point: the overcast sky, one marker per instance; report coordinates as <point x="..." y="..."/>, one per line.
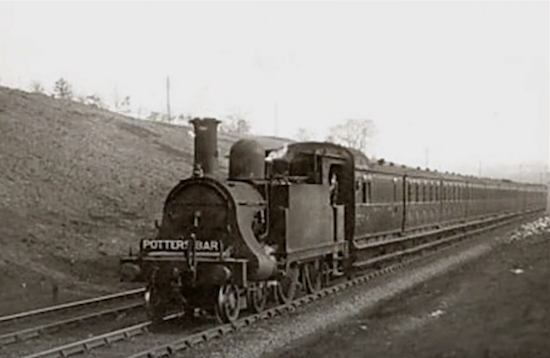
<point x="464" y="82"/>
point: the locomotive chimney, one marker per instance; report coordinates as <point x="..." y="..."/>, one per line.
<point x="206" y="145"/>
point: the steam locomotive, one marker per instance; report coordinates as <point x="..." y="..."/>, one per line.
<point x="297" y="217"/>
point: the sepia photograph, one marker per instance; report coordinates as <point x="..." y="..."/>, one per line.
<point x="275" y="179"/>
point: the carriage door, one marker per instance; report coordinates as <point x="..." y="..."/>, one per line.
<point x="337" y="190"/>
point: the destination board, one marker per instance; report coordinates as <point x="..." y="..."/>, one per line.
<point x="179" y="245"/>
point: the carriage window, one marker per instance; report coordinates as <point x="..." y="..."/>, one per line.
<point x="428" y="192"/>
<point x="358" y="190"/>
<point x="366" y="194"/>
<point x="369" y="191"/>
<point x="424" y="192"/>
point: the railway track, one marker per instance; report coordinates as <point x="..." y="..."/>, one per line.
<point x="122" y="342"/>
<point x="20" y="327"/>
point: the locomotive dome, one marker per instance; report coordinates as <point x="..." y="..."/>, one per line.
<point x="246" y="160"/>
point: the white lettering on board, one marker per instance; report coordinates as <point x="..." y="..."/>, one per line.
<point x="178" y="245"/>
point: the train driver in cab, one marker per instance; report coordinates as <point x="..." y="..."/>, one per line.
<point x="333" y="188"/>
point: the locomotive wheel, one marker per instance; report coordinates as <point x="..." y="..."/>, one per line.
<point x="154" y="305"/>
<point x="313" y="276"/>
<point x="258" y="297"/>
<point x="227" y="305"/>
<point x="286" y="289"/>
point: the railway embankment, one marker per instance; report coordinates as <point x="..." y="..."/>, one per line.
<point x="78" y="186"/>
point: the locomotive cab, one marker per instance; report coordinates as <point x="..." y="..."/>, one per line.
<point x="311" y="180"/>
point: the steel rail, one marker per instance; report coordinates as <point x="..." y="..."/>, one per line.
<point x="167" y="350"/>
<point x="98" y="341"/>
<point x="67" y="306"/>
<point x="33" y="332"/>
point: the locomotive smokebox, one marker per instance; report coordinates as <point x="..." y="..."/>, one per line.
<point x="246" y="160"/>
<point x="206" y="145"/>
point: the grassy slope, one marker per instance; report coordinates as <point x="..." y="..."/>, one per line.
<point x="79" y="185"/>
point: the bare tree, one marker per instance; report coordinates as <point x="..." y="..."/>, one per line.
<point x="124" y="106"/>
<point x="63" y="89"/>
<point x="36" y="87"/>
<point x="235" y="124"/>
<point x="303" y="135"/>
<point x="353" y="133"/>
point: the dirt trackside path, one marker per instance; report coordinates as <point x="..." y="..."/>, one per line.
<point x="497" y="306"/>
